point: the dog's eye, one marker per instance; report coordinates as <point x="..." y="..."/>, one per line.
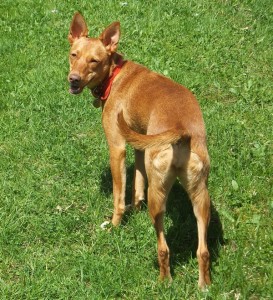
<point x="73" y="54"/>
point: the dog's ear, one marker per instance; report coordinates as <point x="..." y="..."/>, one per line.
<point x="78" y="28"/>
<point x="110" y="36"/>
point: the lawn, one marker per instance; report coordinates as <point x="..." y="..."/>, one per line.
<point x="55" y="181"/>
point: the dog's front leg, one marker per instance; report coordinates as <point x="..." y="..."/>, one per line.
<point x="117" y="146"/>
<point x="118" y="169"/>
<point x="139" y="180"/>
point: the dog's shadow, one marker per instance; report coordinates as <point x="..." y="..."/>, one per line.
<point x="181" y="236"/>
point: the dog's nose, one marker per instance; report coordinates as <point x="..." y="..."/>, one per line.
<point x="74" y="78"/>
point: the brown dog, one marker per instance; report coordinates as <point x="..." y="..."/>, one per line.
<point x="159" y="118"/>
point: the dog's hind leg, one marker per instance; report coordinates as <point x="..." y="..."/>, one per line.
<point x="194" y="179"/>
<point x="201" y="208"/>
<point x="139" y="180"/>
<point x="160" y="180"/>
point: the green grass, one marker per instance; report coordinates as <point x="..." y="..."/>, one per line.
<point x="55" y="183"/>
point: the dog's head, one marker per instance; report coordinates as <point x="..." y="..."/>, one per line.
<point x="90" y="58"/>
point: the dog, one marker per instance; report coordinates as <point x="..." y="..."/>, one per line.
<point x="161" y="119"/>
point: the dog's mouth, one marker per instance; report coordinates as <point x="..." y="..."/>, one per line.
<point x="75" y="89"/>
<point x="77" y="84"/>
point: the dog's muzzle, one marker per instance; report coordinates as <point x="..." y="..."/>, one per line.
<point x="74" y="81"/>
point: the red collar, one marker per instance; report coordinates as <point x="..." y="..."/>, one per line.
<point x="102" y="91"/>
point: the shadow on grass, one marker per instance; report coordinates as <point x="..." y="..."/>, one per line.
<point x="182" y="236"/>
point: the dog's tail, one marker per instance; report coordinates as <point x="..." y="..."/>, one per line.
<point x="142" y="141"/>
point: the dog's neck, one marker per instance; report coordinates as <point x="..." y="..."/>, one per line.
<point x="102" y="91"/>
